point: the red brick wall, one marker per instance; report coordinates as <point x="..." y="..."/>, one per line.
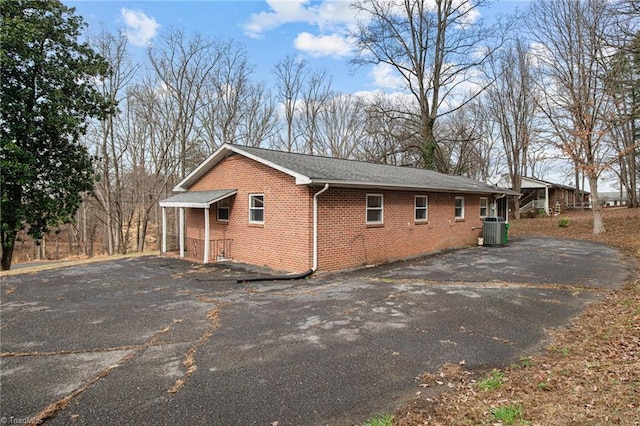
<point x="345" y="240"/>
<point x="285" y="240"/>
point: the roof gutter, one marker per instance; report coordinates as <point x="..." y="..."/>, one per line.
<point x="315" y="227"/>
<point x="395" y="187"/>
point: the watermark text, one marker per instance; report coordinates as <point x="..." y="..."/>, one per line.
<point x="19" y="420"/>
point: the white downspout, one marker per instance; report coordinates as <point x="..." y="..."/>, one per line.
<point x="315" y="227"/>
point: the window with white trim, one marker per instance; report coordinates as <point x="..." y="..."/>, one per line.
<point x="374" y="208"/>
<point x="459" y="207"/>
<point x="256" y="208"/>
<point x="484" y="207"/>
<point x="421" y="208"/>
<point x="223" y="210"/>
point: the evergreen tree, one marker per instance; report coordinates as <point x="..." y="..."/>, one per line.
<point x="47" y="95"/>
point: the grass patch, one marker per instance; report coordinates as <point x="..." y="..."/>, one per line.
<point x="544" y="386"/>
<point x="379" y="420"/>
<point x="508" y="414"/>
<point x="492" y="382"/>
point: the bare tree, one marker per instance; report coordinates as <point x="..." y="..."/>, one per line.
<point x="490" y="148"/>
<point x="435" y="46"/>
<point x="154" y="158"/>
<point x="512" y="100"/>
<point x="460" y="149"/>
<point x="387" y="132"/>
<point x="109" y="190"/>
<point x="290" y="74"/>
<point x="224" y="92"/>
<point x="316" y="90"/>
<point x="622" y="82"/>
<point x="570" y="34"/>
<point x="183" y="67"/>
<point x="623" y="85"/>
<point x="260" y="124"/>
<point x="341" y="126"/>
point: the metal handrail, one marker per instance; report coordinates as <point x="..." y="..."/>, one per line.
<point x="220" y="249"/>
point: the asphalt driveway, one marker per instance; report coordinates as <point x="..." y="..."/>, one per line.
<point x="156" y="340"/>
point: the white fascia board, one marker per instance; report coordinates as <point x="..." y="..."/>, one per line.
<point x="195" y="205"/>
<point x="300" y="178"/>
<point x="185" y="205"/>
<point x="202" y="168"/>
<point x="377" y="185"/>
<point x="533" y="183"/>
<point x="220" y="154"/>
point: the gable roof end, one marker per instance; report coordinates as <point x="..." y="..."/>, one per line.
<point x="223" y="152"/>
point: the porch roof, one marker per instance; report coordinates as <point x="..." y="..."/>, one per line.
<point x="197" y="199"/>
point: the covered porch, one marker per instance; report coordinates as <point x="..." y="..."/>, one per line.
<point x="202" y="247"/>
<point x="542" y="197"/>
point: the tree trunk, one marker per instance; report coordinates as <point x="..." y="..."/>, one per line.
<point x="8" y="242"/>
<point x="144" y="224"/>
<point x="428" y="148"/>
<point x="7" y="254"/>
<point x="598" y="224"/>
<point x="632" y="188"/>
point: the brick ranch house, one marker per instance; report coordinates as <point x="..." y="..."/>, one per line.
<point x="547" y="197"/>
<point x="296" y="212"/>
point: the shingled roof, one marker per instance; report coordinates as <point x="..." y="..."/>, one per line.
<point x="317" y="170"/>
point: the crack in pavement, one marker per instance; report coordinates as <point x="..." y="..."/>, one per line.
<point x="60" y="404"/>
<point x="190" y="356"/>
<point x="486" y="284"/>
<point x="310" y="292"/>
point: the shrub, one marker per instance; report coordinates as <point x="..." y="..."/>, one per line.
<point x="563" y="222"/>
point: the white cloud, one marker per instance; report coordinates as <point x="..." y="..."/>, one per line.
<point x="386" y="76"/>
<point x="140" y="28"/>
<point x="327" y="15"/>
<point x="323" y="45"/>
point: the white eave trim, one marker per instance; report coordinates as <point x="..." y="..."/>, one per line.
<point x="300" y="179"/>
<point x="195" y="205"/>
<point x="378" y="185"/>
<point x="222" y="153"/>
<point x="186" y="205"/>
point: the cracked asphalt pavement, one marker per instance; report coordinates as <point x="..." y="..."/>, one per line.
<point x="158" y="340"/>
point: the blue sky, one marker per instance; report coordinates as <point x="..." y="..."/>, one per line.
<point x="311" y="29"/>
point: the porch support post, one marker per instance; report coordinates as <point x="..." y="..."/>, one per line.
<point x="181" y="225"/>
<point x="164" y="230"/>
<point x="546" y="200"/>
<point x="206" y="235"/>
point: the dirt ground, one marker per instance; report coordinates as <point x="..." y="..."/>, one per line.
<point x="588" y="374"/>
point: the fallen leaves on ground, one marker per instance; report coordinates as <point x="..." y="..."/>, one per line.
<point x="588" y="374"/>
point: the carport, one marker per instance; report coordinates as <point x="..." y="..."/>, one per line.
<point x="193" y="200"/>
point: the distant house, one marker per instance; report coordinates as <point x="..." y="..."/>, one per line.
<point x="613" y="199"/>
<point x="296" y="212"/>
<point x="546" y="197"/>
